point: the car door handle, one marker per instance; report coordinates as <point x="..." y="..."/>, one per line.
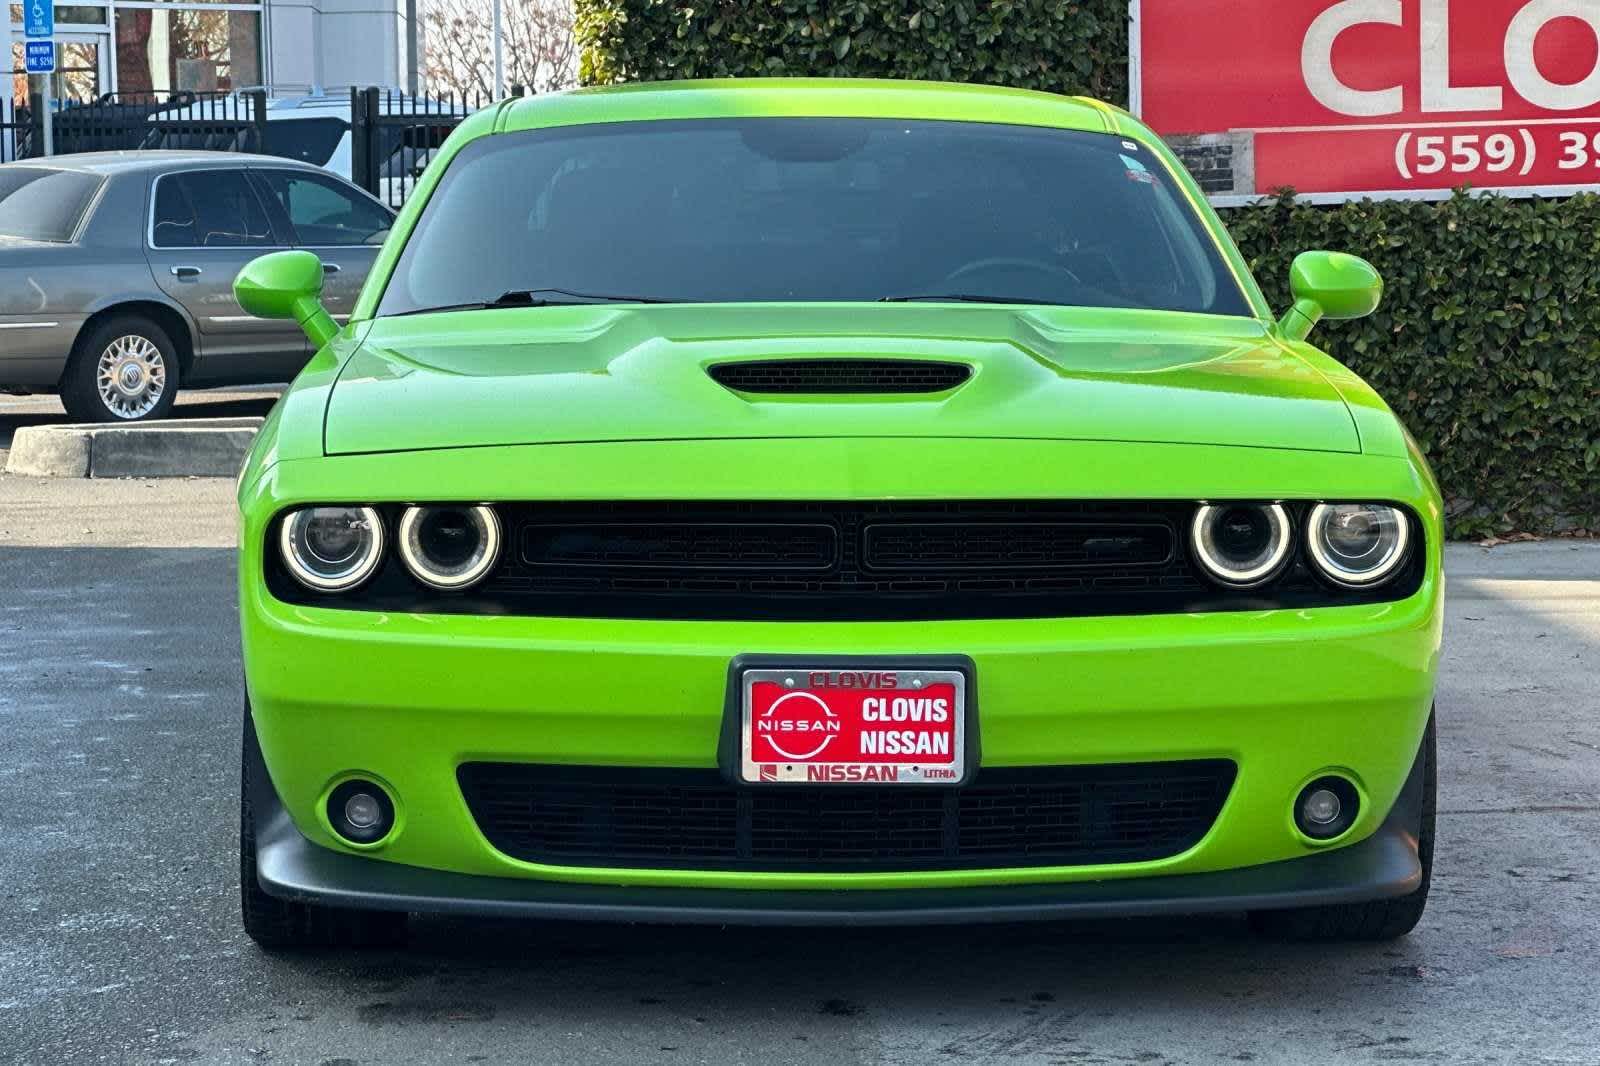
<point x="185" y="272"/>
<point x="331" y="268"/>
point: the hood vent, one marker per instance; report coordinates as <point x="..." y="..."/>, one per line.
<point x="849" y="376"/>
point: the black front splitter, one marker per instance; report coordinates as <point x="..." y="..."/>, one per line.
<point x="290" y="866"/>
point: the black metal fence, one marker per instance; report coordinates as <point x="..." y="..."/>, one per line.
<point x="13" y="121"/>
<point x="123" y="121"/>
<point x="392" y="135"/>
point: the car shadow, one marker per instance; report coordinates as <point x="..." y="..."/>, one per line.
<point x="1028" y="968"/>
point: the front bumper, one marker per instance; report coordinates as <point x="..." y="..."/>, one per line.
<point x="406" y="699"/>
<point x="1384" y="865"/>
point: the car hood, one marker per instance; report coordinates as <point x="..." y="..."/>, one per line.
<point x="605" y="373"/>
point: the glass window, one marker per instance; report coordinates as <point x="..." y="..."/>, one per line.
<point x="44" y="205"/>
<point x="209" y="209"/>
<point x="324" y="212"/>
<point x="203" y="51"/>
<point x="813" y="209"/>
<point x="310" y="140"/>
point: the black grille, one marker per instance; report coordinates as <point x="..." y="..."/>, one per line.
<point x="840" y="560"/>
<point x="824" y="376"/>
<point x="831" y="561"/>
<point x="694" y="819"/>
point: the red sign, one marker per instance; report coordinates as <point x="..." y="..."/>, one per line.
<point x="827" y="726"/>
<point x="1340" y="97"/>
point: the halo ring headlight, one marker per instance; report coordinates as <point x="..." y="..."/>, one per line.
<point x="1357" y="545"/>
<point x="1242" y="545"/>
<point x="331" y="549"/>
<point x="449" y="547"/>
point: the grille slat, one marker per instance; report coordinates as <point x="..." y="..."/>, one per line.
<point x="1069" y="815"/>
<point x="821" y="377"/>
<point x="686" y="545"/>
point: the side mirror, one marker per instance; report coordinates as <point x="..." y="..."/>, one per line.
<point x="1329" y="285"/>
<point x="287" y="285"/>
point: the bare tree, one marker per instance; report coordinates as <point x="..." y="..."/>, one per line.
<point x="457" y="54"/>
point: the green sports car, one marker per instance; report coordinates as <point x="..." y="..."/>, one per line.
<point x="829" y="502"/>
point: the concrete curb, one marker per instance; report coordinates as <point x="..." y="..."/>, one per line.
<point x="198" y="447"/>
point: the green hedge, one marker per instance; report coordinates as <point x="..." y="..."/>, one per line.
<point x="1056" y="45"/>
<point x="1488" y="344"/>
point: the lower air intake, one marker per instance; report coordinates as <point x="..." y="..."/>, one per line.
<point x="695" y="819"/>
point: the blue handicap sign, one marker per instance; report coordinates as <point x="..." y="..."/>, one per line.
<point x="39" y="19"/>
<point x="41" y="57"/>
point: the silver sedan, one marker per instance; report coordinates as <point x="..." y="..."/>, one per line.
<point x="116" y="272"/>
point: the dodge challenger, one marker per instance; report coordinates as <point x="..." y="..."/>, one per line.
<point x="829" y="502"/>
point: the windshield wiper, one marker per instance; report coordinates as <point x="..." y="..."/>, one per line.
<point x="540" y="298"/>
<point x="965" y="298"/>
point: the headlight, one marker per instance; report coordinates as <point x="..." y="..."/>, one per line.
<point x="332" y="549"/>
<point x="1357" y="544"/>
<point x="1241" y="544"/>
<point x="449" y="547"/>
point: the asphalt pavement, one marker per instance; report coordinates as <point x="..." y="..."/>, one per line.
<point x="119" y="941"/>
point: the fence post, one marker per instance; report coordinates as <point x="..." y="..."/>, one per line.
<point x="35" y="126"/>
<point x="258" y="118"/>
<point x="364" y="113"/>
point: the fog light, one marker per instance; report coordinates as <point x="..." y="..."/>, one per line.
<point x="1321" y="807"/>
<point x="361" y="812"/>
<point x="1327" y="808"/>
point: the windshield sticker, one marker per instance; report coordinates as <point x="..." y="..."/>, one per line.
<point x="1137" y="171"/>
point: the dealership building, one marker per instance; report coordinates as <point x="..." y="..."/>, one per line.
<point x="288" y="45"/>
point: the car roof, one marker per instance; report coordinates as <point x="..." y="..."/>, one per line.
<point x="146" y="160"/>
<point x="812" y="97"/>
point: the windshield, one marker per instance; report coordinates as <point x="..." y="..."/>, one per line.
<point x="785" y="209"/>
<point x="44" y="205"/>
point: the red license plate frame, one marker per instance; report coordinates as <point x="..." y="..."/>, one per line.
<point x="852" y="722"/>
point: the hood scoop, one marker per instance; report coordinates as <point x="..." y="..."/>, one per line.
<point x="815" y="377"/>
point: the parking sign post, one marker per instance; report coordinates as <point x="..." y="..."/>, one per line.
<point x="39" y="27"/>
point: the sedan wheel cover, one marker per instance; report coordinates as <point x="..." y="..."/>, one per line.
<point x="131" y="377"/>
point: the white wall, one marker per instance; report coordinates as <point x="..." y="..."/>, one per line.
<point x="335" y="43"/>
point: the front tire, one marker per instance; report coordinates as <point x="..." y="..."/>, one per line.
<point x="1382" y="919"/>
<point x="125" y="369"/>
<point x="278" y="924"/>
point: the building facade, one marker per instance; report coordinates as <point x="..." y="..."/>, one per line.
<point x="290" y="46"/>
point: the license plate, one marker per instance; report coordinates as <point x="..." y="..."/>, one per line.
<point x="821" y="726"/>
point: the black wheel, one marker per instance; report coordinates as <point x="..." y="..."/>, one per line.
<point x="123" y="370"/>
<point x="279" y="923"/>
<point x="1383" y="919"/>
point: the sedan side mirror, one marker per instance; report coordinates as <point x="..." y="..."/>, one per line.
<point x="287" y="285"/>
<point x="1329" y="285"/>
